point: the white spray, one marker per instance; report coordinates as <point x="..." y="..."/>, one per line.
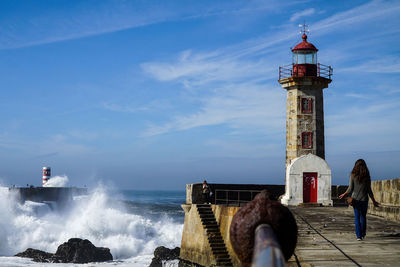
<point x="57" y="181"/>
<point x="96" y="217"/>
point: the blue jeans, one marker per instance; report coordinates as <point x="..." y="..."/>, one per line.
<point x="360" y="217"/>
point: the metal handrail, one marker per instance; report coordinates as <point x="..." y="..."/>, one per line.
<point x="238" y="201"/>
<point x="323" y="71"/>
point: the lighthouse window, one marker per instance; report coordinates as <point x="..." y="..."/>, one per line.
<point x="309" y="58"/>
<point x="305" y="58"/>
<point x="306" y="140"/>
<point x="306" y="105"/>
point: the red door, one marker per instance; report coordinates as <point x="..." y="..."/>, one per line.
<point x="310" y="187"/>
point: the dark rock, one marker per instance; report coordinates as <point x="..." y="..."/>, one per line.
<point x="77" y="250"/>
<point x="36" y="255"/>
<point x="164" y="254"/>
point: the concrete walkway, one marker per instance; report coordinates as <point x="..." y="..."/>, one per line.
<point x="327" y="238"/>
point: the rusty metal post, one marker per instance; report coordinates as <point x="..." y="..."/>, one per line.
<point x="255" y="244"/>
<point x="267" y="252"/>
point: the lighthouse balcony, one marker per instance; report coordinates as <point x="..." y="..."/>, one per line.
<point x="305" y="70"/>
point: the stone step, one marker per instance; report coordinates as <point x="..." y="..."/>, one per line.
<point x="207" y="215"/>
<point x="216" y="242"/>
<point x="223" y="258"/>
<point x="202" y="215"/>
<point x="214" y="237"/>
<point x="218" y="245"/>
<point x="222" y="254"/>
<point x="218" y="248"/>
<point x="220" y="251"/>
<point x="210" y="225"/>
<point x="209" y="219"/>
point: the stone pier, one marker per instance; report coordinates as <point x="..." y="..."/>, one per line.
<point x="327" y="238"/>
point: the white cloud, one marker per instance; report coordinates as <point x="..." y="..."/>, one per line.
<point x="307" y="12"/>
<point x="253" y="107"/>
<point x="197" y="69"/>
<point x="366" y="12"/>
<point x="388" y="64"/>
<point x="83" y="20"/>
<point x="237" y="77"/>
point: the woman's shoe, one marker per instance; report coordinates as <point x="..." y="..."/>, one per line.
<point x="359" y="239"/>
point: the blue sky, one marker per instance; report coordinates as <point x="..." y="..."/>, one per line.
<point x="158" y="94"/>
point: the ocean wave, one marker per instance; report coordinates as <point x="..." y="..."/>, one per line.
<point x="131" y="235"/>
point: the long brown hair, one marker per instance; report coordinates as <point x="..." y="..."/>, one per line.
<point x="360" y="171"/>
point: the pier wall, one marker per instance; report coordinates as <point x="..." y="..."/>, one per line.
<point x="194" y="191"/>
<point x="387" y="193"/>
<point x="196" y="249"/>
<point x="194" y="246"/>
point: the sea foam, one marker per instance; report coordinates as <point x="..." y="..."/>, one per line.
<point x="131" y="238"/>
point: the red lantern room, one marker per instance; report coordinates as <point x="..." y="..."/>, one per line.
<point x="304" y="59"/>
<point x="304" y="62"/>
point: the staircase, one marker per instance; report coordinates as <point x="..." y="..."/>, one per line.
<point x="214" y="237"/>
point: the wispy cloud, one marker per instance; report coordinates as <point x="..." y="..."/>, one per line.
<point x="366" y="12"/>
<point x="198" y="69"/>
<point x="54" y="145"/>
<point x="238" y="107"/>
<point x="249" y="63"/>
<point x="55" y="24"/>
<point x="307" y="12"/>
<point x="388" y="64"/>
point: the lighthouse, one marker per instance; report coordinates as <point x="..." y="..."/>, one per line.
<point x="308" y="175"/>
<point x="46" y="175"/>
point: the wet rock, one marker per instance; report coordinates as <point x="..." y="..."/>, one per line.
<point x="36" y="255"/>
<point x="164" y="254"/>
<point x="76" y="250"/>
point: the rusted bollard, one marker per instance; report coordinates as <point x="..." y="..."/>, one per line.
<point x="262" y="210"/>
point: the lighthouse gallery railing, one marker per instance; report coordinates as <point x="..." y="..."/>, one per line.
<point x="323" y="71"/>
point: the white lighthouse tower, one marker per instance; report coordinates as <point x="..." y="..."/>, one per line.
<point x="308" y="176"/>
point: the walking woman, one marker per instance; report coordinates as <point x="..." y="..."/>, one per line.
<point x="360" y="187"/>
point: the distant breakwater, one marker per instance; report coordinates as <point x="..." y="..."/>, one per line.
<point x="46" y="194"/>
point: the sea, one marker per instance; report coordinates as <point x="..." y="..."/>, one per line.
<point x="131" y="223"/>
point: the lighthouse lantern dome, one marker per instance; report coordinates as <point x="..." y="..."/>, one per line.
<point x="304" y="59"/>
